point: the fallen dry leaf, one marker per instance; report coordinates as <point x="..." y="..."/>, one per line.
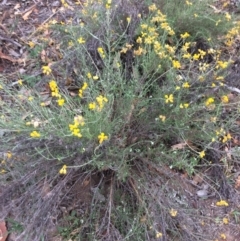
<point x="179" y="146"/>
<point x="17" y="6"/>
<point x="3" y="231"/>
<point x="85" y="182"/>
<point x="27" y="13"/>
<point x="197" y="179"/>
<point x="237" y="182"/>
<point x="4" y="56"/>
<point x="45" y="190"/>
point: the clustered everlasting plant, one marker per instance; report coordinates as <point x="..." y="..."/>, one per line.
<point x="171" y="92"/>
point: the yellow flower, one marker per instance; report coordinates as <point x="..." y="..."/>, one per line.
<point x="9" y="154"/>
<point x="187" y="56"/>
<point x="219" y="78"/>
<point x="173" y="212"/>
<point x="202" y="53"/>
<point x="218" y="22"/>
<point x="202" y="154"/>
<point x="188" y="3"/>
<point x="152" y="7"/>
<point x="171" y="50"/>
<point x="76" y="132"/>
<point x="100" y="100"/>
<point x="226" y="138"/>
<point x="222" y="64"/>
<point x="80" y="93"/>
<point x="186" y="46"/>
<point x="102" y="137"/>
<point x="225" y="220"/>
<point x="108" y="4"/>
<point x="63" y="170"/>
<point x="60" y="102"/>
<point x="101" y="52"/>
<point x="176" y="64"/>
<point x="144" y="26"/>
<point x="70" y="44"/>
<point x="53" y="85"/>
<point x="128" y="19"/>
<point x="55" y="93"/>
<point x="169" y="98"/>
<point x="3" y="171"/>
<point x="224" y="99"/>
<point x="89" y="75"/>
<point x="222" y="203"/>
<point x="46" y="70"/>
<point x="138" y="52"/>
<point x="177" y="88"/>
<point x="186" y="85"/>
<point x="201" y="78"/>
<point x="35" y="134"/>
<point x="31" y="44"/>
<point x="79" y="120"/>
<point x="162" y="118"/>
<point x="209" y="101"/>
<point x="81" y="40"/>
<point x="223" y="236"/>
<point x="85" y="85"/>
<point x="92" y="105"/>
<point x="185" y="105"/>
<point x="185" y="35"/>
<point x="30" y="98"/>
<point x="196" y="56"/>
<point x="20" y="82"/>
<point x="95" y="77"/>
<point x="139" y="40"/>
<point x="228" y="16"/>
<point x="158" y="235"/>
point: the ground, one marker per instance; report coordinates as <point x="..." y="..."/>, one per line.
<point x="20" y="24"/>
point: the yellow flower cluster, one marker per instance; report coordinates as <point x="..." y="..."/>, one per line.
<point x="108" y="4"/>
<point x="55" y="92"/>
<point x="35" y="134"/>
<point x="176" y="64"/>
<point x="169" y="98"/>
<point x="185" y="35"/>
<point x="84" y="87"/>
<point x="46" y="70"/>
<point x="99" y="104"/>
<point x="101" y="52"/>
<point x="202" y="154"/>
<point x="89" y="75"/>
<point x="126" y="48"/>
<point x="209" y="101"/>
<point x="102" y="137"/>
<point x="222" y="65"/>
<point x="74" y="128"/>
<point x="173" y="212"/>
<point x="222" y="135"/>
<point x="81" y="40"/>
<point x="185" y="105"/>
<point x="224" y="99"/>
<point x="63" y="170"/>
<point x="222" y="203"/>
<point x="162" y="118"/>
<point x="150" y="35"/>
<point x="232" y="34"/>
